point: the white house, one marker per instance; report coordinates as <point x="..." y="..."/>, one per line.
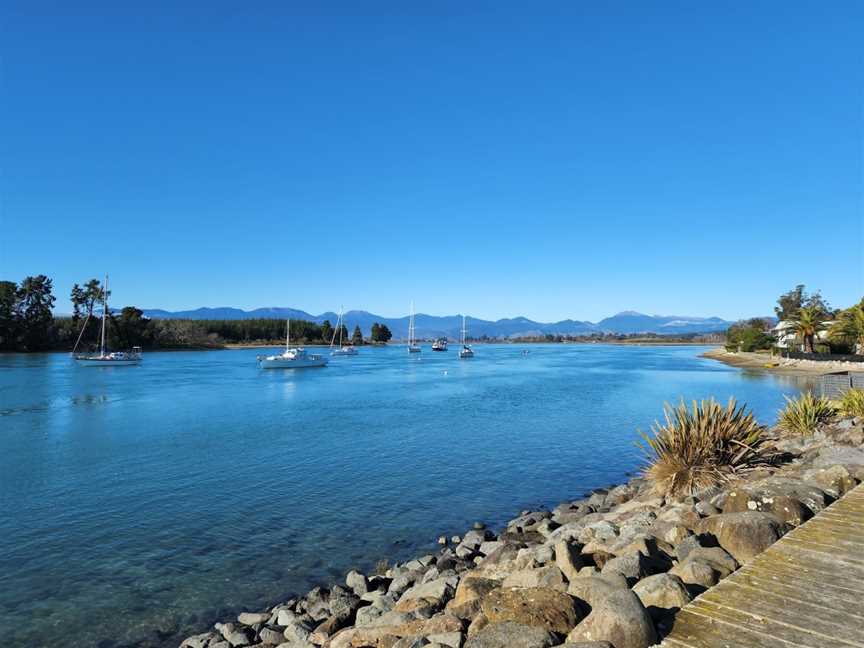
<point x="786" y="337"/>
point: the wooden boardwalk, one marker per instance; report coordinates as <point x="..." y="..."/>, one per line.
<point x="806" y="590"/>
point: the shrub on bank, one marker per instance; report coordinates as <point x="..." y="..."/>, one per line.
<point x="803" y="415"/>
<point x="702" y="446"/>
<point x="852" y="403"/>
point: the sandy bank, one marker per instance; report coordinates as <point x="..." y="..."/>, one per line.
<point x="779" y="365"/>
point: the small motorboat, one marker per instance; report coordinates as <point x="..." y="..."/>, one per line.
<point x="440" y="344"/>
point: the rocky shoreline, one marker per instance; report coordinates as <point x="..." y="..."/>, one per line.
<point x="611" y="569"/>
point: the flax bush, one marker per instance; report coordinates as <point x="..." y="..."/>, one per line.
<point x="803" y="415"/>
<point x="852" y="403"/>
<point x="702" y="446"/>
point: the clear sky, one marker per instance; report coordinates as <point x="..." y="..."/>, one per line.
<point x="552" y="159"/>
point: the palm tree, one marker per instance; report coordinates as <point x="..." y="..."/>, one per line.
<point x="850" y="326"/>
<point x="809" y="321"/>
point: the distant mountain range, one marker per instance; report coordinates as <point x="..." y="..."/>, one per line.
<point x="430" y="326"/>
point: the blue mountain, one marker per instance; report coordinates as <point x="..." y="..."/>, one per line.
<point x="430" y="326"/>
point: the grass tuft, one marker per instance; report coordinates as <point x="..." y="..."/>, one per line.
<point x="852" y="403"/>
<point x="803" y="415"/>
<point x="702" y="446"/>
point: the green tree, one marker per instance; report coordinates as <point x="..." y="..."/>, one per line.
<point x="327" y="331"/>
<point x="131" y="326"/>
<point x="357" y="336"/>
<point x="380" y="333"/>
<point x="807" y="325"/>
<point x="78" y="297"/>
<point x="849" y="327"/>
<point x="93" y="293"/>
<point x="33" y="311"/>
<point x="751" y="335"/>
<point x="8" y="319"/>
<point x="789" y="304"/>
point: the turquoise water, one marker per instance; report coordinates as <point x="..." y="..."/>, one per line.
<point x="140" y="504"/>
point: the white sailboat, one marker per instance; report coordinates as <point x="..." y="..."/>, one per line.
<point x="466" y="351"/>
<point x="292" y="358"/>
<point x="341" y="350"/>
<point x="105" y="358"/>
<point x="413" y="347"/>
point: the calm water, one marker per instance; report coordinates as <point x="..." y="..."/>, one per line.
<point x="138" y="504"/>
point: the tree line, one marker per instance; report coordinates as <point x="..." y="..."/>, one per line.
<point x="27" y="323"/>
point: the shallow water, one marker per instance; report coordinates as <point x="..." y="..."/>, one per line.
<point x="139" y="504"/>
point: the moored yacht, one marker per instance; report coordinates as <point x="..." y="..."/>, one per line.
<point x="413" y="347"/>
<point x="466" y="351"/>
<point x="105" y="358"/>
<point x="296" y="358"/>
<point x="340" y="350"/>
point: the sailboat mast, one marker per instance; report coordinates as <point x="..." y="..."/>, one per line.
<point x="411" y="326"/>
<point x="341" y="311"/>
<point x="104" y="314"/>
<point x="288" y="334"/>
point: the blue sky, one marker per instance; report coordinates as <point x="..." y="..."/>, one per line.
<point x="551" y="160"/>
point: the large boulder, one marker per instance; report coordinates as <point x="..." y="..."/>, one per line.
<point x="471" y="591"/>
<point x="744" y="535"/>
<point x="534" y="606"/>
<point x="632" y="566"/>
<point x="834" y="480"/>
<point x="789" y="500"/>
<point x="549" y="576"/>
<point x="617" y="615"/>
<point x="434" y="593"/>
<point x="568" y="559"/>
<point x="662" y="595"/>
<point x="508" y="634"/>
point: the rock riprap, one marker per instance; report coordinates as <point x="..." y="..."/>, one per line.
<point x="608" y="570"/>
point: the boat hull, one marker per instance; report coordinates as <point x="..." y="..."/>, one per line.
<point x="110" y="362"/>
<point x="414" y="349"/>
<point x="347" y="351"/>
<point x="279" y="363"/>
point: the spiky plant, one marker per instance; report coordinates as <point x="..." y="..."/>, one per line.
<point x="803" y="415"/>
<point x="702" y="446"/>
<point x="852" y="403"/>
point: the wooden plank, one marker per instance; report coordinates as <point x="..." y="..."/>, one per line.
<point x="805" y="591"/>
<point x="774" y="627"/>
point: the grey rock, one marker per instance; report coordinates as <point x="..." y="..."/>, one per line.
<point x="197" y="641"/>
<point x="271" y="637"/>
<point x="617" y="616"/>
<point x="357" y="582"/>
<point x="549" y="576"/>
<point x="568" y="559"/>
<point x="744" y="535"/>
<point x="632" y="566"/>
<point x="251" y="618"/>
<point x="662" y="595"/>
<point x="508" y="634"/>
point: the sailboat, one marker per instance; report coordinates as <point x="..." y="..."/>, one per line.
<point x="105" y="358"/>
<point x="413" y="347"/>
<point x="466" y="351"/>
<point x="341" y="350"/>
<point x="292" y="358"/>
